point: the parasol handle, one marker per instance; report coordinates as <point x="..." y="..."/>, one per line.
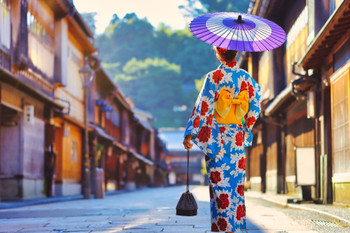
<point x="188" y="170"/>
<point x="239" y="19"/>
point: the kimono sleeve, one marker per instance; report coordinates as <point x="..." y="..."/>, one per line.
<point x="202" y="126"/>
<point x="254" y="99"/>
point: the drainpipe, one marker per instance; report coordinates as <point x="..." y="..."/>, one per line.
<point x="263" y="157"/>
<point x="303" y="78"/>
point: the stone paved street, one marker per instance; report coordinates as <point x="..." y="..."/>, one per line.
<point x="143" y="211"/>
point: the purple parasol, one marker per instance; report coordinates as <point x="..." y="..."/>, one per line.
<point x="237" y="31"/>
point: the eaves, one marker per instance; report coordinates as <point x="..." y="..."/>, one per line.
<point x="279" y="102"/>
<point x="336" y="26"/>
<point x="11" y="79"/>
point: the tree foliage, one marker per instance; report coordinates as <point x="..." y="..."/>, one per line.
<point x="194" y="9"/>
<point x="153" y="84"/>
<point x="90" y="20"/>
<point x="160" y="69"/>
<point x="145" y="61"/>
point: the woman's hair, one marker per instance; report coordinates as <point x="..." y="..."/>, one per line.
<point x="225" y="54"/>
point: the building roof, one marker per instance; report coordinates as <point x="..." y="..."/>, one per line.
<point x="144" y="118"/>
<point x="279" y="100"/>
<point x="336" y="26"/>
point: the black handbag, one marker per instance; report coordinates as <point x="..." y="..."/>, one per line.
<point x="187" y="205"/>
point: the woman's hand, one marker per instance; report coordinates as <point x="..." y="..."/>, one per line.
<point x="187" y="142"/>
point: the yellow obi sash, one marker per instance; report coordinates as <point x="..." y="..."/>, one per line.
<point x="231" y="111"/>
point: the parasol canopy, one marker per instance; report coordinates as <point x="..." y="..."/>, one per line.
<point x="238" y="31"/>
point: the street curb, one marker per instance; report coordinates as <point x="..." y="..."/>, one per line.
<point x="332" y="216"/>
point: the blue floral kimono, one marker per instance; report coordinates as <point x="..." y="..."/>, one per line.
<point x="223" y="144"/>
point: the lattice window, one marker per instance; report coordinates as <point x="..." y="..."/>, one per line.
<point x="5" y="24"/>
<point x="39" y="30"/>
<point x="296" y="42"/>
<point x="74" y="151"/>
<point x="340" y="123"/>
<point x="74" y="63"/>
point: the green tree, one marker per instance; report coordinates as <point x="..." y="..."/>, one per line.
<point x="131" y="43"/>
<point x="182" y="48"/>
<point x="193" y="10"/>
<point x="154" y="85"/>
<point x="90" y="20"/>
<point x="125" y="39"/>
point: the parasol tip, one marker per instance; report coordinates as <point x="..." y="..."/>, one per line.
<point x="239" y="19"/>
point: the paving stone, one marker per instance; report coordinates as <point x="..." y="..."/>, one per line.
<point x="80" y="231"/>
<point x="139" y="231"/>
<point x="154" y="212"/>
<point x="106" y="230"/>
<point x="178" y="229"/>
<point x="8" y="230"/>
<point x="34" y="230"/>
<point x="16" y="226"/>
<point x="65" y="225"/>
<point x="141" y="226"/>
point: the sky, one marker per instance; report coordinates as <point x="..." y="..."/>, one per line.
<point x="156" y="11"/>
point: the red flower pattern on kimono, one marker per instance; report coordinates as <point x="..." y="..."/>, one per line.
<point x="223" y="201"/>
<point x="222" y="224"/>
<point x="243" y="86"/>
<point x="217" y="76"/>
<point x="239" y="138"/>
<point x="196" y="122"/>
<point x="211" y="192"/>
<point x="194" y="109"/>
<point x="240" y="189"/>
<point x="210" y="119"/>
<point x="241" y="163"/>
<point x="215" y="177"/>
<point x="204" y="108"/>
<point x="251" y="91"/>
<point x="222" y="129"/>
<point x="214" y="227"/>
<point x="204" y="134"/>
<point x="250" y="121"/>
<point x="240" y="212"/>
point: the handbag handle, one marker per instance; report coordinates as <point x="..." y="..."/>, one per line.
<point x="188" y="170"/>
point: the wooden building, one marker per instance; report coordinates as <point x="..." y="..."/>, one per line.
<point x="328" y="56"/>
<point x="73" y="41"/>
<point x="176" y="158"/>
<point x="43" y="45"/>
<point x="27" y="60"/>
<point x="300" y="144"/>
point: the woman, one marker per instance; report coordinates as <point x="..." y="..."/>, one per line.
<point x="220" y="125"/>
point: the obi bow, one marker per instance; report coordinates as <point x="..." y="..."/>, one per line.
<point x="231" y="111"/>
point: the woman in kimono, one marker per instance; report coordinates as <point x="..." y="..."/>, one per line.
<point x="221" y="126"/>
